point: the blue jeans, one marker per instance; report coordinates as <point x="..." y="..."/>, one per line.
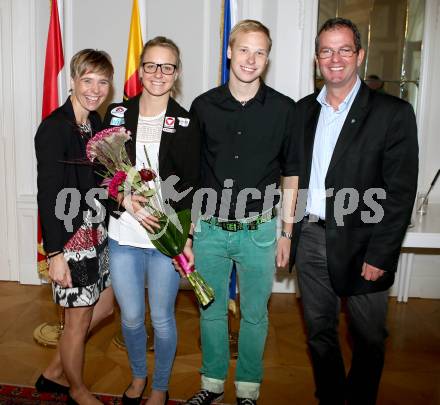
<point x="130" y="268"/>
<point x="253" y="251"/>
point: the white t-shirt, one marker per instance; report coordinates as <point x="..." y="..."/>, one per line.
<point x="126" y="229"/>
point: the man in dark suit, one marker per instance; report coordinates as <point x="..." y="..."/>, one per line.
<point x="360" y="166"/>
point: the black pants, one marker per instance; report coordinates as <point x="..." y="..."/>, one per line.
<point x="366" y="319"/>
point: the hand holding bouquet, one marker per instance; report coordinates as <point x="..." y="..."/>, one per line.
<point x="108" y="147"/>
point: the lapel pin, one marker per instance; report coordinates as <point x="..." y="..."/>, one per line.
<point x="118" y="111"/>
<point x="353" y="120"/>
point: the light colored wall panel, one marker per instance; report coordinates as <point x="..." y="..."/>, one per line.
<point x="26" y="100"/>
<point x="425" y="279"/>
<point x="8" y="225"/>
<point x="27" y="244"/>
<point x="211" y="45"/>
<point x="4" y="254"/>
<point x="293" y="30"/>
<point x="102" y="24"/>
<point x="41" y="20"/>
<point x="183" y="23"/>
<point x="25" y="107"/>
<point x="4" y="78"/>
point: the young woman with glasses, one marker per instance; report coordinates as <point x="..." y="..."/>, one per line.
<point x="170" y="136"/>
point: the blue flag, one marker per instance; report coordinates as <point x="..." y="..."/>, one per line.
<point x="226" y="32"/>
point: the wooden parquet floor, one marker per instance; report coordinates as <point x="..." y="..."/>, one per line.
<point x="411" y="375"/>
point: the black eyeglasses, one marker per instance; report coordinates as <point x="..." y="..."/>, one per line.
<point x="326" y="53"/>
<point x="165" y="68"/>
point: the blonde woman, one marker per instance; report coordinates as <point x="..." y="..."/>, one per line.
<point x="159" y="124"/>
<point x="77" y="251"/>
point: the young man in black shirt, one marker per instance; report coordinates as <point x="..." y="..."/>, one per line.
<point x="247" y="145"/>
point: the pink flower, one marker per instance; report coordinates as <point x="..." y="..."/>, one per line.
<point x="116" y="181"/>
<point x="106" y="182"/>
<point x="147" y="174"/>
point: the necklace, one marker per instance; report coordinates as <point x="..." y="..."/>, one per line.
<point x="85" y="127"/>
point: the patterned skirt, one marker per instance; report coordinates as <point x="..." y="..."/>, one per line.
<point x="86" y="254"/>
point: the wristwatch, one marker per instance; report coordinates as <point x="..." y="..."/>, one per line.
<point x="287" y="235"/>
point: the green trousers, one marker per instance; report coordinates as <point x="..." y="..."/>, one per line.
<point x="253" y="251"/>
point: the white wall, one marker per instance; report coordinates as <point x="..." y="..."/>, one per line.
<point x="7" y="205"/>
<point x="18" y="102"/>
<point x="195" y="26"/>
<point x="425" y="280"/>
<point x="192" y="24"/>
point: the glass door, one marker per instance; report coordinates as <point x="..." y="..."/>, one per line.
<point x="391" y="32"/>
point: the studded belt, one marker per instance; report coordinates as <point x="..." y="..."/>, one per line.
<point x="250" y="224"/>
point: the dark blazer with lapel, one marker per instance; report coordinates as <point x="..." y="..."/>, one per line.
<point x="377" y="148"/>
<point x="179" y="151"/>
<point x="62" y="163"/>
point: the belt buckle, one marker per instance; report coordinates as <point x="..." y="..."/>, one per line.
<point x="316" y="220"/>
<point x="252" y="226"/>
<point x="230" y="226"/>
<point x="313" y="218"/>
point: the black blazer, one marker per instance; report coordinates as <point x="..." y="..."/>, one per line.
<point x="377" y="148"/>
<point x="61" y="163"/>
<point x="179" y="150"/>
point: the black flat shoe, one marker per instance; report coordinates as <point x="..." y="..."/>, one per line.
<point x="133" y="401"/>
<point x="43" y="384"/>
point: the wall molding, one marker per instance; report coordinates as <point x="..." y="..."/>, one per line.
<point x="308" y="26"/>
<point x="437" y="15"/>
<point x="11" y="134"/>
<point x="5" y="131"/>
<point x="301" y="12"/>
<point x="27" y="244"/>
<point x="67" y="41"/>
<point x="25" y="68"/>
<point x="206" y="48"/>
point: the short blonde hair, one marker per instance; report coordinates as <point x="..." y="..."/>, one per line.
<point x="91" y="61"/>
<point x="249" y="26"/>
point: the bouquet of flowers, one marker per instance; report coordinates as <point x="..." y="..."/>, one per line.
<point x="108" y="147"/>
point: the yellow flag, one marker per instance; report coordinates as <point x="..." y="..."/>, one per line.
<point x="132" y="86"/>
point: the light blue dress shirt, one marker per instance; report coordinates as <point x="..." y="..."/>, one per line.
<point x="327" y="133"/>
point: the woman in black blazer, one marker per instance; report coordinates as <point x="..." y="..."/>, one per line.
<point x="74" y="233"/>
<point x="171" y="137"/>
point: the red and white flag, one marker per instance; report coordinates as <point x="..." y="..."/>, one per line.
<point x="53" y="81"/>
<point x="53" y="91"/>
